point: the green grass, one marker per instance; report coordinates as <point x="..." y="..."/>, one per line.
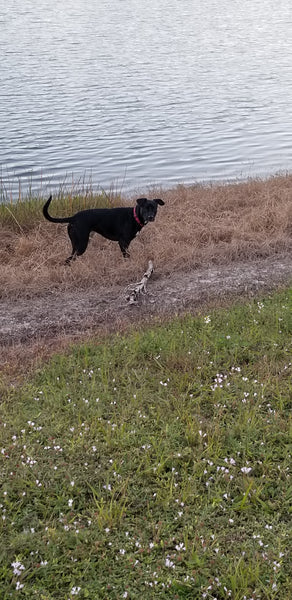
<point x="24" y="214"/>
<point x="156" y="465"/>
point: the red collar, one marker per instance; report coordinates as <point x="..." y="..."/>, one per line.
<point x="136" y="217"/>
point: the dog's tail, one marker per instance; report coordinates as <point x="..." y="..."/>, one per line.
<point x="53" y="219"/>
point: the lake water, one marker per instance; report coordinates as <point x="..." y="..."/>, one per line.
<point x="130" y="93"/>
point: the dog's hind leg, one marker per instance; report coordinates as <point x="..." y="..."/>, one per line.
<point x="74" y="242"/>
<point x="79" y="243"/>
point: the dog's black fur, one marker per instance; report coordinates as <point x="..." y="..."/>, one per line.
<point x="118" y="224"/>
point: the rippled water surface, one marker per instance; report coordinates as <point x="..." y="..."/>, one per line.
<point x="135" y="93"/>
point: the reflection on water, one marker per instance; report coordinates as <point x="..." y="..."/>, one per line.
<point x="133" y="94"/>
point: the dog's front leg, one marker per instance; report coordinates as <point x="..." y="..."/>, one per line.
<point x="124" y="249"/>
<point x="71" y="258"/>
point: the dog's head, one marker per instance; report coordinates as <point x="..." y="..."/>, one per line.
<point x="147" y="209"/>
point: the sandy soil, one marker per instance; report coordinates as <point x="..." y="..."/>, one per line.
<point x="32" y="326"/>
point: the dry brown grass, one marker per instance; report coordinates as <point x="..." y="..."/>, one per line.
<point x="199" y="225"/>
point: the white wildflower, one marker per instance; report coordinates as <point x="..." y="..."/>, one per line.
<point x="19" y="586"/>
<point x="169" y="564"/>
<point x="17" y="567"/>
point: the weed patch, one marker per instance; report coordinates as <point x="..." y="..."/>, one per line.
<point x="156" y="465"/>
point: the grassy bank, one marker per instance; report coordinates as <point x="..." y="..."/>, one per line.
<point x="25" y="214"/>
<point x="156" y="465"/>
<point x="198" y="226"/>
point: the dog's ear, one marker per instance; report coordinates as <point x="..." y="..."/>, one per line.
<point x="159" y="201"/>
<point x="141" y="201"/>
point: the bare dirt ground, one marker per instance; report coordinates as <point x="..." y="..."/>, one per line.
<point x="209" y="244"/>
<point x="28" y="326"/>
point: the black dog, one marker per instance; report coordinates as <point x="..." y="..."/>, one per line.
<point x="118" y="224"/>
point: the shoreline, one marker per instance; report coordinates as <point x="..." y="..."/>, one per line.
<point x="80" y="186"/>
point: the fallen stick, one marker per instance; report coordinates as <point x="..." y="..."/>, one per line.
<point x="140" y="287"/>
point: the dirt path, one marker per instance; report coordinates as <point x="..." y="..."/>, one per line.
<point x="25" y="322"/>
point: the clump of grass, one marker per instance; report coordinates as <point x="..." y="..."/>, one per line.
<point x="154" y="465"/>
